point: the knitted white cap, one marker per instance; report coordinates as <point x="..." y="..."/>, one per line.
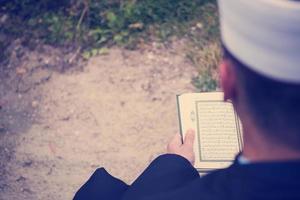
<point x="264" y="35"/>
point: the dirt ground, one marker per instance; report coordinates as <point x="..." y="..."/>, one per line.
<point x="117" y="111"/>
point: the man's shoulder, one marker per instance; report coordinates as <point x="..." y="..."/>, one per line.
<point x="257" y="181"/>
<point x="218" y="183"/>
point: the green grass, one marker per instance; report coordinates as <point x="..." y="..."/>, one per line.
<point x="94" y="23"/>
<point x="204" y="48"/>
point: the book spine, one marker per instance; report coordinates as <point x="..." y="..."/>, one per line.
<point x="179" y="117"/>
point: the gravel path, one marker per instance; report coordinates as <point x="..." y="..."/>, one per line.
<point x="118" y="112"/>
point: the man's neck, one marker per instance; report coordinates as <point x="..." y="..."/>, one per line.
<point x="259" y="148"/>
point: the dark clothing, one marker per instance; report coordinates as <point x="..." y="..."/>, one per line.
<point x="172" y="177"/>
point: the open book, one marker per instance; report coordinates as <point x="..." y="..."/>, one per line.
<point x="217" y="127"/>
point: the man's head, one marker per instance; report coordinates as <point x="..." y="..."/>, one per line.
<point x="272" y="105"/>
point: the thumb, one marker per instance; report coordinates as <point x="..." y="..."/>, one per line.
<point x="189" y="138"/>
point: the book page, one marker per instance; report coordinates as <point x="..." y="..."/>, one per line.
<point x="218" y="134"/>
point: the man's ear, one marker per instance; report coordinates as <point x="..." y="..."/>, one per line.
<point x="228" y="80"/>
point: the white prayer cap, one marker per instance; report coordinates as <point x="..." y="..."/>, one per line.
<point x="264" y="35"/>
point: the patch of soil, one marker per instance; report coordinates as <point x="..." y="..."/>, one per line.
<point x="118" y="112"/>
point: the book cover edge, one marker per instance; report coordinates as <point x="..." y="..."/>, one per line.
<point x="179" y="117"/>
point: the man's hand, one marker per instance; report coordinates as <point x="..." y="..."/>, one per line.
<point x="186" y="149"/>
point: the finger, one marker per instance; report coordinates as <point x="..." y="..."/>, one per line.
<point x="175" y="142"/>
<point x="189" y="138"/>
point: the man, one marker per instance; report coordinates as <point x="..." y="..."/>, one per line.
<point x="260" y="74"/>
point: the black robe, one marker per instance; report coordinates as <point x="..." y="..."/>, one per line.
<point x="172" y="177"/>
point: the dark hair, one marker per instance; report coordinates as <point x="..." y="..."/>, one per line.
<point x="274" y="105"/>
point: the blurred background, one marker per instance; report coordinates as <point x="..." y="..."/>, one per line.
<point x="93" y="83"/>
